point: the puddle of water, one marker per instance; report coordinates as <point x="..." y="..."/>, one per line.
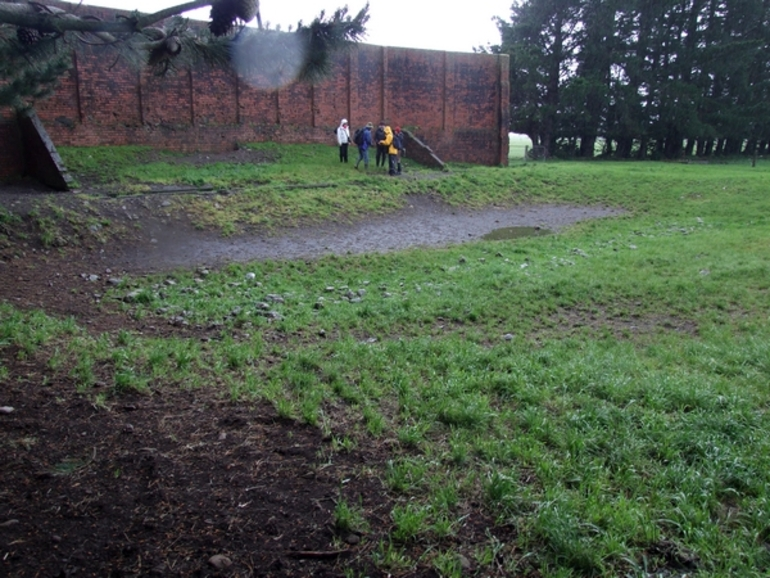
<point x="515" y="233"/>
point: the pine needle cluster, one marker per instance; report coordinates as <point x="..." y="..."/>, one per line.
<point x="30" y="71"/>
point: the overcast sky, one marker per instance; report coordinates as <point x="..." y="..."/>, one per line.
<point x="408" y="23"/>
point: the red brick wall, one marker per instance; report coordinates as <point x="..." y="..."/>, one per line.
<point x="456" y="103"/>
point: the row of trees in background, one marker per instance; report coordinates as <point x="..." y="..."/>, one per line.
<point x="646" y="78"/>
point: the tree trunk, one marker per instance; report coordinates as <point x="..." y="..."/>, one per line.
<point x="625" y="146"/>
<point x="641" y="154"/>
<point x="733" y="146"/>
<point x="673" y="143"/>
<point x="587" y="146"/>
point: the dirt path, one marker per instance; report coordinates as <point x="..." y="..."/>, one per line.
<point x="156" y="239"/>
<point x="423" y="222"/>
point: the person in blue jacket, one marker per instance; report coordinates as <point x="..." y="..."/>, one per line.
<point x="363" y="146"/>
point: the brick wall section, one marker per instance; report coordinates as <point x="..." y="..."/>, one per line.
<point x="456" y="103"/>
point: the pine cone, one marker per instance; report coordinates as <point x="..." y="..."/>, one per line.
<point x="222" y="17"/>
<point x="28" y="35"/>
<point x="246" y="10"/>
<point x="165" y="51"/>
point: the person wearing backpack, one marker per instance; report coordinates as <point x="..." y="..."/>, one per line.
<point x="398" y="144"/>
<point x="389" y="143"/>
<point x="382" y="150"/>
<point x="363" y="140"/>
<point x="343" y="138"/>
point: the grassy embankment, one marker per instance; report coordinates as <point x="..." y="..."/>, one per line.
<point x="603" y="390"/>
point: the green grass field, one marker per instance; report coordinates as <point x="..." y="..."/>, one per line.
<point x="603" y="390"/>
<point x="518" y="145"/>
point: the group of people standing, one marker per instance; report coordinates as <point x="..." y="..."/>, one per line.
<point x="389" y="145"/>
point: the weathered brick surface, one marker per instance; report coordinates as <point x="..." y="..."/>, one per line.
<point x="214" y="98"/>
<point x="456" y="103"/>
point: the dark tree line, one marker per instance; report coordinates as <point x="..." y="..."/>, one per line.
<point x="647" y="78"/>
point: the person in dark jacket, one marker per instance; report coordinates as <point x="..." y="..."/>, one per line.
<point x="398" y="144"/>
<point x="382" y="150"/>
<point x="363" y="148"/>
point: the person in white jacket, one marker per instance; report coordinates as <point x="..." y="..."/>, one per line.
<point x="343" y="139"/>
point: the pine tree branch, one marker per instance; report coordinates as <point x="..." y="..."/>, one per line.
<point x="55" y="19"/>
<point x="37" y="40"/>
<point x="148" y="19"/>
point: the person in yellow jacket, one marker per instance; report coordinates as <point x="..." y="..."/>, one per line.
<point x="392" y="150"/>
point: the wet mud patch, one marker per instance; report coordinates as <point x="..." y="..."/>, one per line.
<point x="423" y="222"/>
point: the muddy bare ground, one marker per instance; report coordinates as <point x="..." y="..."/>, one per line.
<point x="187" y="483"/>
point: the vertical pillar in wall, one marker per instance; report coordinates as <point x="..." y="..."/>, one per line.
<point x="444" y="92"/>
<point x="237" y="98"/>
<point x="448" y="101"/>
<point x="191" y="88"/>
<point x="277" y="93"/>
<point x="503" y="105"/>
<point x="76" y="81"/>
<point x="312" y="105"/>
<point x="383" y="86"/>
<point x="349" y="86"/>
<point x="139" y="95"/>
